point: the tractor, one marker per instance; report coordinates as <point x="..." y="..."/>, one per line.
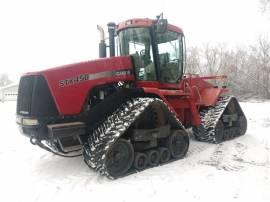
<point x="130" y="109"/>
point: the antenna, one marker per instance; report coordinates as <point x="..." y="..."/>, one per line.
<point x="160" y="16"/>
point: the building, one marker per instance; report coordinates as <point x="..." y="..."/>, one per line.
<point x="9" y="93"/>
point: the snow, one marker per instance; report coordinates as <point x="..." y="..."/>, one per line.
<point x="236" y="170"/>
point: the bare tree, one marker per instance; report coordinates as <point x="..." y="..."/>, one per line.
<point x="4" y="80"/>
<point x="247" y="69"/>
<point x="261" y="52"/>
<point x="210" y="57"/>
<point x="193" y="61"/>
<point x="265" y="5"/>
<point x="214" y="59"/>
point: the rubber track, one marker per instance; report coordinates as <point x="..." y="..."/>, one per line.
<point x="100" y="141"/>
<point x="209" y="117"/>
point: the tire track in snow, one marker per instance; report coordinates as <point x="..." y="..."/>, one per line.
<point x="265" y="151"/>
<point x="228" y="157"/>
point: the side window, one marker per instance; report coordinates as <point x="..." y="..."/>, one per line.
<point x="170" y="56"/>
<point x="136" y="42"/>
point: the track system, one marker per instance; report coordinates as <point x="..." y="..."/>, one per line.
<point x="223" y="121"/>
<point x="102" y="151"/>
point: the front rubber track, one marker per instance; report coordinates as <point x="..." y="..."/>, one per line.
<point x="114" y="127"/>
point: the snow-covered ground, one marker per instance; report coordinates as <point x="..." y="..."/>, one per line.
<point x="236" y="170"/>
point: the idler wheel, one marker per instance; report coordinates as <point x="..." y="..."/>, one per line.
<point x="178" y="143"/>
<point x="119" y="158"/>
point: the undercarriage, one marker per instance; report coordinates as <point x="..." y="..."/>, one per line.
<point x="130" y="141"/>
<point x="142" y="133"/>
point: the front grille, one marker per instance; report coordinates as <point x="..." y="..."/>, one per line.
<point x="34" y="97"/>
<point x="24" y="99"/>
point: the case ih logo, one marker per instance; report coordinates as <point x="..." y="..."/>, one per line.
<point x="87" y="77"/>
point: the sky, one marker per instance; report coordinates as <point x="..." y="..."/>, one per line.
<point x="36" y="34"/>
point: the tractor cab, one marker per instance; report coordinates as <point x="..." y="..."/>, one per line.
<point x="157" y="49"/>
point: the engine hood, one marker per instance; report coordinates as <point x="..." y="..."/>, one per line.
<point x="70" y="84"/>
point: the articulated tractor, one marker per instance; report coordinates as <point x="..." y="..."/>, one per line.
<point x="130" y="109"/>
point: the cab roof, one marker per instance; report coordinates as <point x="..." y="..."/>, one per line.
<point x="144" y="22"/>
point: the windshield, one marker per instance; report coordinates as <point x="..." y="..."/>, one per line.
<point x="137" y="43"/>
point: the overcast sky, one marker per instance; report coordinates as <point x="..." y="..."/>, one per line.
<point x="39" y="34"/>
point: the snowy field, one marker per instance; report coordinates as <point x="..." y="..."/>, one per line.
<point x="236" y="170"/>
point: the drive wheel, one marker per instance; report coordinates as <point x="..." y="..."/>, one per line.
<point x="164" y="154"/>
<point x="242" y="125"/>
<point x="140" y="161"/>
<point x="119" y="158"/>
<point x="219" y="132"/>
<point x="178" y="144"/>
<point x="153" y="157"/>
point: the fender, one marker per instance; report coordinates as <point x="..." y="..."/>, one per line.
<point x="209" y="96"/>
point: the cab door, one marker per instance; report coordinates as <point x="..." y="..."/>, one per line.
<point x="170" y="55"/>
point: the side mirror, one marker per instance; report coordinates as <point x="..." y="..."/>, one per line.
<point x="161" y="25"/>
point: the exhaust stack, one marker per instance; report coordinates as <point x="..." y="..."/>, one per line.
<point x="111" y="30"/>
<point x="102" y="44"/>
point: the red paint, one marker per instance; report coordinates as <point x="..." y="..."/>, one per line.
<point x="70" y="99"/>
<point x="185" y="98"/>
<point x="210" y="95"/>
<point x="145" y="22"/>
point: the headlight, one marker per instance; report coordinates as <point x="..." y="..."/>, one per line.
<point x="18" y="120"/>
<point x="30" y="122"/>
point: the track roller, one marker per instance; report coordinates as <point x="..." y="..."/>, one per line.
<point x="164" y="154"/>
<point x="152" y="157"/>
<point x="140" y="161"/>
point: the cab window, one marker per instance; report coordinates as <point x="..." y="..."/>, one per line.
<point x="137" y="43"/>
<point x="170" y="56"/>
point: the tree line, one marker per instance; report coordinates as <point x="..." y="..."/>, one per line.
<point x="248" y="69"/>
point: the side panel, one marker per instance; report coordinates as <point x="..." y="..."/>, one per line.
<point x="205" y="93"/>
<point x="210" y="96"/>
<point x="70" y="84"/>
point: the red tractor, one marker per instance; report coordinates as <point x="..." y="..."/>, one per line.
<point x="129" y="111"/>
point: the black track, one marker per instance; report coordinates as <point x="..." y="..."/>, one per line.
<point x="105" y="136"/>
<point x="210" y="116"/>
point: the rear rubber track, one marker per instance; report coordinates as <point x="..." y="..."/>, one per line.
<point x="209" y="119"/>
